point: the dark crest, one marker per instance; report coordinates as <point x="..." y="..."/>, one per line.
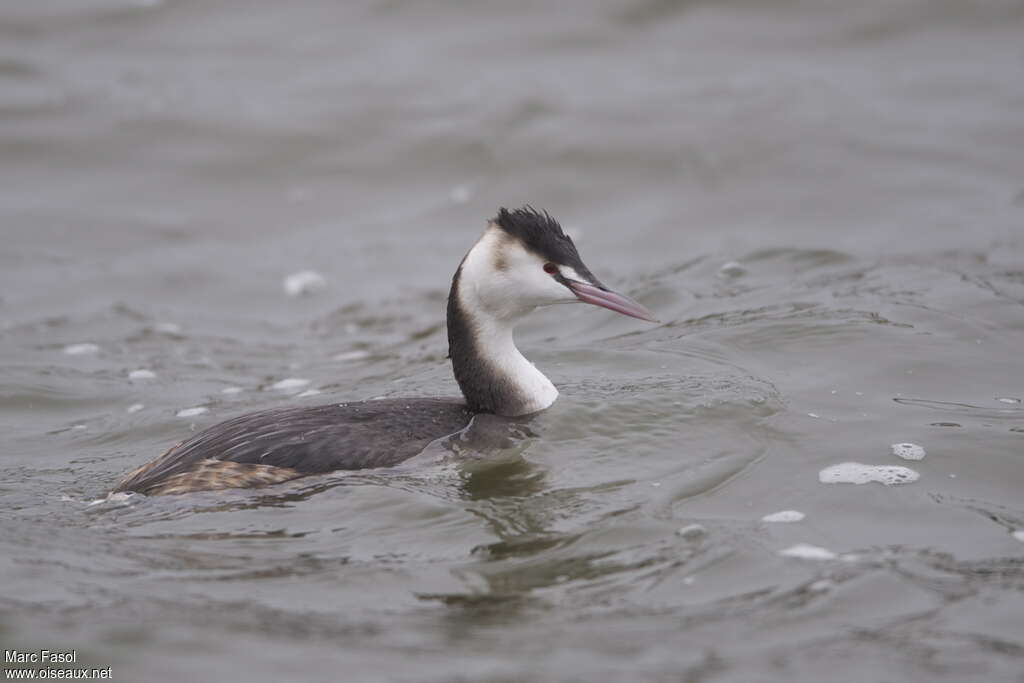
<point x="541" y="234"/>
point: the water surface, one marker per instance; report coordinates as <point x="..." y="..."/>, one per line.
<point x="824" y="203"/>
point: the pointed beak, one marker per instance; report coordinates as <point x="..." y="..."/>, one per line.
<point x="614" y="301"/>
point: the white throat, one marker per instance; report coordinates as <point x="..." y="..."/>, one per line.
<point x="494" y="340"/>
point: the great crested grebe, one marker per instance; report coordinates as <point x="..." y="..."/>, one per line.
<point x="522" y="261"/>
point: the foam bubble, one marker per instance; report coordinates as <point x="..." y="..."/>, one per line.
<point x="352" y="355"/>
<point x="231" y="390"/>
<point x="309" y="392"/>
<point x="192" y="412"/>
<point x="81" y="349"/>
<point x="304" y="282"/>
<point x="731" y="269"/>
<point x="1007" y="399"/>
<point x="908" y="451"/>
<point x="461" y="194"/>
<point x="784" y="516"/>
<point x="141" y="374"/>
<point x="135" y="407"/>
<point x="856" y="473"/>
<point x="806" y="551"/>
<point x="1019" y="535"/>
<point x="290" y="384"/>
<point x="119" y="498"/>
<point x="168" y="328"/>
<point x="692" y="531"/>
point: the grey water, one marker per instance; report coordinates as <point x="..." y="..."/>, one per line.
<point x="823" y="201"/>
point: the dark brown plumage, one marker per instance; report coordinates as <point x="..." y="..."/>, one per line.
<point x="272" y="446"/>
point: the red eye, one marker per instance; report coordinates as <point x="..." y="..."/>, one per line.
<point x="550" y="269"/>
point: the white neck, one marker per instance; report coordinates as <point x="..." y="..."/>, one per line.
<point x="493" y="374"/>
<point x="496" y="346"/>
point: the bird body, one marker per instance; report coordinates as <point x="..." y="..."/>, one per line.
<point x="522" y="261"/>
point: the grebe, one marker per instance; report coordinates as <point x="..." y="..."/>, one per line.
<point x="522" y="261"/>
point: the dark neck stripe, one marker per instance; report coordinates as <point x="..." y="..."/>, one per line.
<point x="487" y="390"/>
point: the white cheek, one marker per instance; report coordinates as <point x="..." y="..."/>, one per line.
<point x="519" y="289"/>
<point x="515" y="290"/>
<point x="569" y="273"/>
<point x="532" y="284"/>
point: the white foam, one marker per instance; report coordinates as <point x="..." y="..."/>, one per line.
<point x="806" y="551"/>
<point x="168" y="328"/>
<point x="135" y="407"/>
<point x="1007" y="399"/>
<point x="692" y="531"/>
<point x="784" y="516"/>
<point x="192" y="412"/>
<point x="461" y="194"/>
<point x="856" y="473"/>
<point x="731" y="269"/>
<point x="141" y="374"/>
<point x="119" y="498"/>
<point x="231" y="390"/>
<point x="304" y="282"/>
<point x="81" y="349"/>
<point x="309" y="392"/>
<point x="352" y="355"/>
<point x="1019" y="535"/>
<point x="290" y="384"/>
<point x="908" y="451"/>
